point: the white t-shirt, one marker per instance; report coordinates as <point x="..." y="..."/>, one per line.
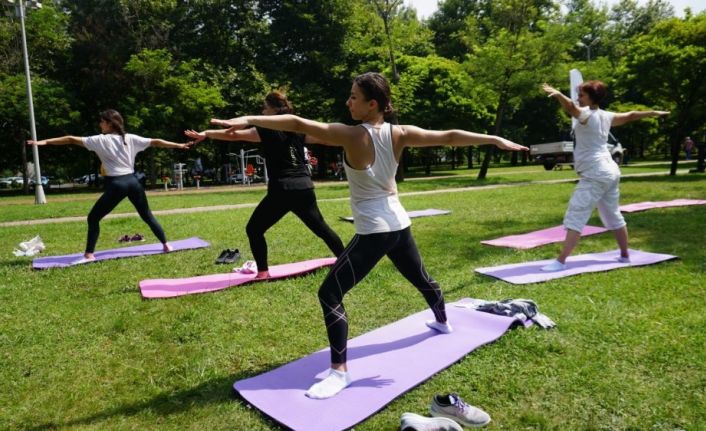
<point x="591" y="154"/>
<point x="117" y="158"/>
<point x="374" y="202"/>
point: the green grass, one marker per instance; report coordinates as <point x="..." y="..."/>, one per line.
<point x="80" y="349"/>
<point x="67" y="205"/>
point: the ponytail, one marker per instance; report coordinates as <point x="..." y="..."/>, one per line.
<point x="113" y="117"/>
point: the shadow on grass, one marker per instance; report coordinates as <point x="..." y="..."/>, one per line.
<point x="18" y="263"/>
<point x="216" y="391"/>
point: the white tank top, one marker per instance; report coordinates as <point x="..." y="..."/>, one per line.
<point x="374" y="202"/>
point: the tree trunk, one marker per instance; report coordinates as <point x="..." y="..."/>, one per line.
<point x="498" y="127"/>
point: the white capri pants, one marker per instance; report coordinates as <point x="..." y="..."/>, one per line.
<point x="590" y="193"/>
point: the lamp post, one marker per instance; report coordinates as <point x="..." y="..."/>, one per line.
<point x="39" y="197"/>
<point x="588" y="45"/>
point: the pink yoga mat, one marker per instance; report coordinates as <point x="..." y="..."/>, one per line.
<point x="531" y="272"/>
<point x="642" y="206"/>
<point x="118" y="253"/>
<point x="383" y="364"/>
<point x="170" y="287"/>
<point x="540" y="237"/>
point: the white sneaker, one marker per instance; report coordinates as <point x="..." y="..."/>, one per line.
<point x="453" y="407"/>
<point x="554" y="266"/>
<point x="415" y="422"/>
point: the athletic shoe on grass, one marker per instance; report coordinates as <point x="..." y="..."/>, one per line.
<point x="453" y="407"/>
<point x="415" y="422"/>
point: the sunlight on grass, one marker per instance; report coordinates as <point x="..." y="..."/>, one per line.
<point x="82" y="350"/>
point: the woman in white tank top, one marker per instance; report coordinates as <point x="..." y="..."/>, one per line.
<point x="372" y="152"/>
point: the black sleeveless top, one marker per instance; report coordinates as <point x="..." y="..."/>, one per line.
<point x="284" y="157"/>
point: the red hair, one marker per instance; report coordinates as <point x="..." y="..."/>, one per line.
<point x="595" y="90"/>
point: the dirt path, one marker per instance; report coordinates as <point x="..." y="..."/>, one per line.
<point x="252" y="205"/>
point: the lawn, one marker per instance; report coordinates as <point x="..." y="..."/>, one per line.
<point x="81" y="349"/>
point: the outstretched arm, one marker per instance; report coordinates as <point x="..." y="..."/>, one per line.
<point x="566" y="103"/>
<point x="248" y="135"/>
<point x="64" y="140"/>
<point x="333" y="134"/>
<point x="625" y="117"/>
<point x="161" y="143"/>
<point x="412" y="136"/>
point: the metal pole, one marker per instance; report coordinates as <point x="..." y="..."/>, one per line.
<point x="39" y="197"/>
<point x="242" y="164"/>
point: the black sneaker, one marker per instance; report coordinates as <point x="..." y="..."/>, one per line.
<point x="222" y="257"/>
<point x="232" y="257"/>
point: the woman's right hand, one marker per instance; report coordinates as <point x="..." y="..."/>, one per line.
<point x="31" y="142"/>
<point x="551" y="91"/>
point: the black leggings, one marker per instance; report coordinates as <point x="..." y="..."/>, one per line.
<point x="117" y="189"/>
<point x="274" y="206"/>
<point x="360" y="256"/>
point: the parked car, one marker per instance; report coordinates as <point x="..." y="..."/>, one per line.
<point x="556" y="154"/>
<point x="88" y="178"/>
<point x="45" y="181"/>
<point x="10" y="182"/>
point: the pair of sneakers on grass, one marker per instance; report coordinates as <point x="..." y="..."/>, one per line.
<point x="448" y="413"/>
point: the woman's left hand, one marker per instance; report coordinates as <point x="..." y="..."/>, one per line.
<point x="196" y="136"/>
<point x="233" y="124"/>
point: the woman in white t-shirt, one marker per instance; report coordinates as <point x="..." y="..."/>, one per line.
<point x="599" y="181"/>
<point x="372" y="153"/>
<point x="116" y="151"/>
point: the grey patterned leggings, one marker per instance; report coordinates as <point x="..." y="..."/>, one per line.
<point x="359" y="257"/>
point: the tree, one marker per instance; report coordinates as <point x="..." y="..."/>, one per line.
<point x="666" y="69"/>
<point x="457" y="25"/>
<point x="166" y="97"/>
<point x="521" y="51"/>
<point x="437" y="93"/>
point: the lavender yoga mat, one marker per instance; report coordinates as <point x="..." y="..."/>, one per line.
<point x="531" y="272"/>
<point x="642" y="206"/>
<point x="383" y="364"/>
<point x="170" y="287"/>
<point x="118" y="253"/>
<point x="412" y="214"/>
<point x="540" y="237"/>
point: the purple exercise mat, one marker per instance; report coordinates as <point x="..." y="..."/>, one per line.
<point x="531" y="272"/>
<point x="118" y="253"/>
<point x="412" y="214"/>
<point x="170" y="287"/>
<point x="540" y="237"/>
<point x="383" y="364"/>
<point x="642" y="206"/>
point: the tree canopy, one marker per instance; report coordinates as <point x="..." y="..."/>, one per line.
<point x="168" y="65"/>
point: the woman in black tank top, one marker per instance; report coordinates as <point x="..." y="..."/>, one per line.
<point x="289" y="189"/>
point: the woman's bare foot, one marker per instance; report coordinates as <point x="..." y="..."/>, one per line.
<point x="166" y="247"/>
<point x="263" y="274"/>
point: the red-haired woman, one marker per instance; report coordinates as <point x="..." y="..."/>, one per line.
<point x="599" y="181"/>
